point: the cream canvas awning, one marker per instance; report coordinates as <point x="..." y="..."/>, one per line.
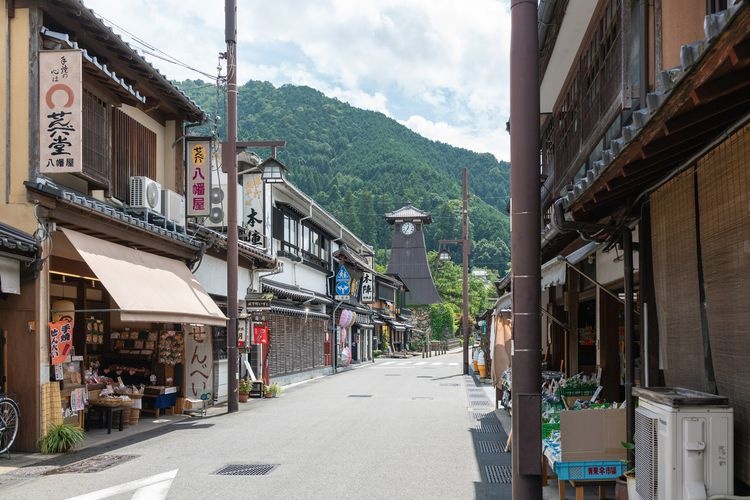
<point x="147" y="287"/>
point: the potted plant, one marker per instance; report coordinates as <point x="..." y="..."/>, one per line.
<point x="273" y="390"/>
<point x="61" y="438"/>
<point x="625" y="484"/>
<point x="244" y="390"/>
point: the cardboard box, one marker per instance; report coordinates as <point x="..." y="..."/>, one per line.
<point x="592" y="435"/>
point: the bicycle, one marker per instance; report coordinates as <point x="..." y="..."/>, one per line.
<point x="9" y="418"/>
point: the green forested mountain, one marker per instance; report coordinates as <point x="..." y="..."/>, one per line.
<point x="360" y="164"/>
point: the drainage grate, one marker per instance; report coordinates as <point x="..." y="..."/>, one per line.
<point x="490" y="447"/>
<point x="486" y="428"/>
<point x="422" y="397"/>
<point x="498" y="473"/>
<point x="450" y="385"/>
<point x="359" y="396"/>
<point x="479" y="415"/>
<point x="246" y="469"/>
<point x="483" y="403"/>
<point x="93" y="464"/>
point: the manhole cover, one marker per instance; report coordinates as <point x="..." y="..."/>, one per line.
<point x="490" y="447"/>
<point x="498" y="473"/>
<point x="422" y="397"/>
<point x="392" y="374"/>
<point x="245" y="469"/>
<point x="93" y="464"/>
<point x="486" y="428"/>
<point x="450" y="385"/>
<point x="359" y="396"/>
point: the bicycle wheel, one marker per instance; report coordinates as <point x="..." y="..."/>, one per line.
<point x="9" y="415"/>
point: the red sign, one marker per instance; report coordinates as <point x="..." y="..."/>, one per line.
<point x="60" y="339"/>
<point x="260" y="334"/>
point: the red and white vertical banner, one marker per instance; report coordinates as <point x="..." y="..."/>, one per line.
<point x="60" y="111"/>
<point x="198" y="177"/>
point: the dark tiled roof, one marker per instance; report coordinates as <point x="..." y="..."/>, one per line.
<point x="15" y="241"/>
<point x="408" y="212"/>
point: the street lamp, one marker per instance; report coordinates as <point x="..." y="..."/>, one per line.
<point x="465" y="250"/>
<point x="273" y="171"/>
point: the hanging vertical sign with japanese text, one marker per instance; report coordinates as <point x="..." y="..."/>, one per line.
<point x="60" y="339"/>
<point x="367" y="287"/>
<point x="198" y="176"/>
<point x="253" y="210"/>
<point x="60" y="111"/>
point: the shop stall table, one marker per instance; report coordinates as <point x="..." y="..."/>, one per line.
<point x="106" y="415"/>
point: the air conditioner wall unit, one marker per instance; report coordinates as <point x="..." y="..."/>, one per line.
<point x="173" y="205"/>
<point x="684" y="444"/>
<point x="145" y="193"/>
<point x="218" y="198"/>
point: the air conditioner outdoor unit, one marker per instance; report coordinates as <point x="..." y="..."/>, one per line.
<point x="173" y="205"/>
<point x="145" y="193"/>
<point x="683" y="444"/>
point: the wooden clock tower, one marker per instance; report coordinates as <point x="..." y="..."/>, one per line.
<point x="409" y="255"/>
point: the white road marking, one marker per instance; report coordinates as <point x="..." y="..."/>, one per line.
<point x="153" y="487"/>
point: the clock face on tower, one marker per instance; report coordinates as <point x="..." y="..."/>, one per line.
<point x="407" y="228"/>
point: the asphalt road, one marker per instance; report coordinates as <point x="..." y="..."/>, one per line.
<point x="395" y="429"/>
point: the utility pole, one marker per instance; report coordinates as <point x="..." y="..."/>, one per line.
<point x="525" y="249"/>
<point x="465" y="251"/>
<point x="465" y="325"/>
<point x="229" y="160"/>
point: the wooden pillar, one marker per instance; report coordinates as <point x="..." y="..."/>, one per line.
<point x="571" y="337"/>
<point x="608" y="344"/>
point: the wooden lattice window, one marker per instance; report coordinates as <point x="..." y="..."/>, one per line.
<point x="96" y="138"/>
<point x="133" y="152"/>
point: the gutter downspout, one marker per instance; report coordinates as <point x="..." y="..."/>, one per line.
<point x="643" y="77"/>
<point x="627" y="250"/>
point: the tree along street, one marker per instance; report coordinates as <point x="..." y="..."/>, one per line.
<point x="398" y="428"/>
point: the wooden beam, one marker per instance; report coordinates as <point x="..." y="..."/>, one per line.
<point x="707" y="111"/>
<point x="724" y="84"/>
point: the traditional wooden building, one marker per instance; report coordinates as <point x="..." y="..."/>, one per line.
<point x="94" y="169"/>
<point x="644" y="147"/>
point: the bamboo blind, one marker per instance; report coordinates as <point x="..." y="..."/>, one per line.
<point x="676" y="283"/>
<point x="724" y="198"/>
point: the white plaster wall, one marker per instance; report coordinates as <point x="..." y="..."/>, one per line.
<point x="212" y="274"/>
<point x="607" y="269"/>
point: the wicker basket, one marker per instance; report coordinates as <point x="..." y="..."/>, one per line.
<point x="111" y="402"/>
<point x="135" y="415"/>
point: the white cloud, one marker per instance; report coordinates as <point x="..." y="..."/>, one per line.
<point x="441" y="60"/>
<point x="486" y="140"/>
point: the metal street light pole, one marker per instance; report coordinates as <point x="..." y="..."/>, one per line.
<point x="229" y="160"/>
<point x="465" y="251"/>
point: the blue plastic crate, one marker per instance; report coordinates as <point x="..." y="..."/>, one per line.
<point x="595" y="469"/>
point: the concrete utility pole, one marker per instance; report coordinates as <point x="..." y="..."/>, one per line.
<point x="465" y="251"/>
<point x="525" y="250"/>
<point x="229" y="160"/>
<point x="465" y="325"/>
